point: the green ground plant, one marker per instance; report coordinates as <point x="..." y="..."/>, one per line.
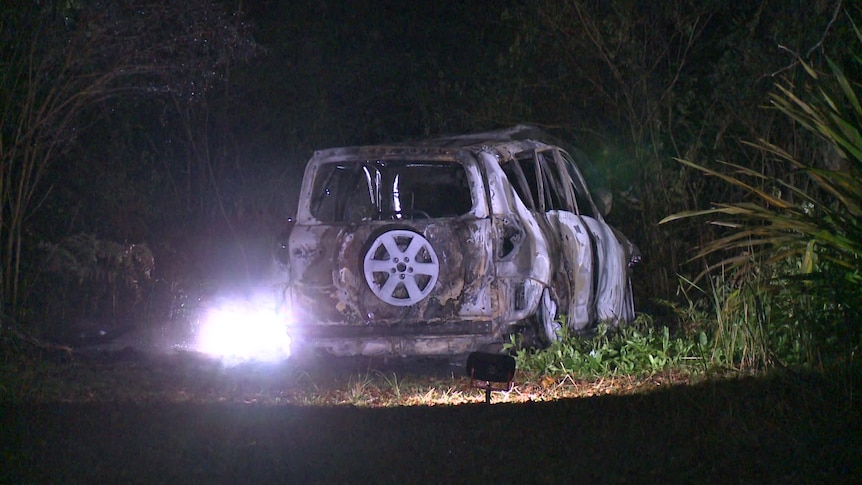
<point x="641" y="348"/>
<point x="741" y="317"/>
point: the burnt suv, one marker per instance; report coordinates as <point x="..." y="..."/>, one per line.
<point x="447" y="246"/>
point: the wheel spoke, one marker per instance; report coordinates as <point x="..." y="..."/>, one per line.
<point x="379" y="265"/>
<point x="388" y="288"/>
<point x="414" y="247"/>
<point x="391" y="246"/>
<point x="412" y="288"/>
<point x="427" y="269"/>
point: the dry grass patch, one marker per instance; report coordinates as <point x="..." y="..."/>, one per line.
<point x="182" y="379"/>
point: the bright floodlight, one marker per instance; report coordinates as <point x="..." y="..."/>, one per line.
<point x="242" y="331"/>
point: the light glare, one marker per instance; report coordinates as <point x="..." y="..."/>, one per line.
<point x="238" y="333"/>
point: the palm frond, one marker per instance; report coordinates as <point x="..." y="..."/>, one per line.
<point x="793" y="221"/>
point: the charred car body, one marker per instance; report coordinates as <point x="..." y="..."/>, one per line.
<point x="447" y="246"/>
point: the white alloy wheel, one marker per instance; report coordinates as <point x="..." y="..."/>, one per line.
<point x="548" y="317"/>
<point x="401" y="267"/>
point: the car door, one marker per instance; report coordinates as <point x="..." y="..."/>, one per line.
<point x="536" y="176"/>
<point x="613" y="299"/>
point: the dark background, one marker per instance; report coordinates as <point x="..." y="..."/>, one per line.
<point x="178" y="153"/>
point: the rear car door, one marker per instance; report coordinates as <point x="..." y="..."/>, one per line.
<point x="536" y="176"/>
<point x="613" y="299"/>
<point x="386" y="238"/>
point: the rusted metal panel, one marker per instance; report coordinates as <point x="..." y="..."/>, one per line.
<point x="440" y="247"/>
<point x="329" y="277"/>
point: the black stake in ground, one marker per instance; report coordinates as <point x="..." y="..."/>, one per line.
<point x="491" y="372"/>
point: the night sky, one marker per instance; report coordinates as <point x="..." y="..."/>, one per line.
<point x="375" y="70"/>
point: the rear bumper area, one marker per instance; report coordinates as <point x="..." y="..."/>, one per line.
<point x="353" y="341"/>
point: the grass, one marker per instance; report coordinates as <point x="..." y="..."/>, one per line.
<point x="142" y="418"/>
<point x="639" y="357"/>
<point x="182" y="420"/>
<point x="193" y="379"/>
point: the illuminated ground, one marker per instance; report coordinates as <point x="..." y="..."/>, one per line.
<point x="132" y="418"/>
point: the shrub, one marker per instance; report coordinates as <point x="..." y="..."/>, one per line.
<point x="802" y="231"/>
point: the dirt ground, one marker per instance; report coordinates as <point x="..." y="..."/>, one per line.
<point x="788" y="428"/>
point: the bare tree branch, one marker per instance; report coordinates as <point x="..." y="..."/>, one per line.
<point x="60" y="60"/>
<point x="797" y="58"/>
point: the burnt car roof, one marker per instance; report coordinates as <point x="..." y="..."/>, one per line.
<point x="441" y="148"/>
<point x="520" y="132"/>
<point x="387" y="151"/>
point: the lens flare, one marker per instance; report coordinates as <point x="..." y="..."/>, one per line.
<point x="242" y="331"/>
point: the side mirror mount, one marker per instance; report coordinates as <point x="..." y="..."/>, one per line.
<point x="604" y="200"/>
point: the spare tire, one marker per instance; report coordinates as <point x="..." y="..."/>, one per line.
<point x="400" y="266"/>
